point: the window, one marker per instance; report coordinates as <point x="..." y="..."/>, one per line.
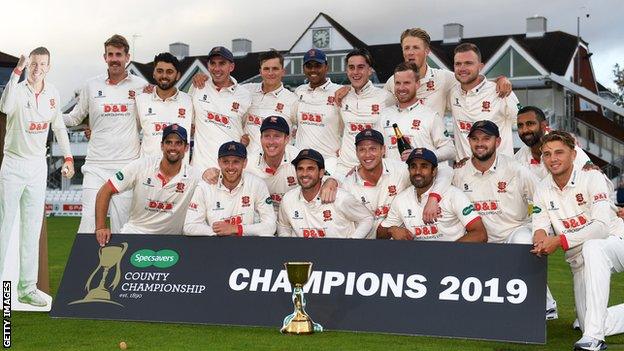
<point x="297" y="64"/>
<point x="512" y="64"/>
<point x="334" y="63"/>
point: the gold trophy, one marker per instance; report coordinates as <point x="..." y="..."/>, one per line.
<point x="299" y="322"/>
<point x="110" y="257"/>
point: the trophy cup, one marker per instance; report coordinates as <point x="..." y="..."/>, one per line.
<point x="299" y="322"/>
<point x="110" y="257"/>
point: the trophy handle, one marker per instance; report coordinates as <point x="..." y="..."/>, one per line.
<point x="88" y="283"/>
<point x="117" y="277"/>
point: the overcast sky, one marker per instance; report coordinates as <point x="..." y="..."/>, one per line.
<point x="74" y="31"/>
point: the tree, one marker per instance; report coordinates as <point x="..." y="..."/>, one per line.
<point x="619" y="82"/>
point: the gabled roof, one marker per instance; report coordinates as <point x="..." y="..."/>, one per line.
<point x="7" y="60"/>
<point x="349" y="37"/>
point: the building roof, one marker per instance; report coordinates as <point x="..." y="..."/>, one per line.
<point x="7" y="60"/>
<point x="349" y="37"/>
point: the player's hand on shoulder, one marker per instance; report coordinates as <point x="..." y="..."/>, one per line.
<point x="461" y="163"/>
<point x="589" y="166"/>
<point x="211" y="175"/>
<point x="148" y="89"/>
<point x="340" y="94"/>
<point x="199" y="80"/>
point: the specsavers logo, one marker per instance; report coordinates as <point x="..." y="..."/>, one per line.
<point x="161" y="259"/>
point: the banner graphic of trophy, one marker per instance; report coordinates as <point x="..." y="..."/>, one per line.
<point x="110" y="257"/>
<point x="299" y="322"/>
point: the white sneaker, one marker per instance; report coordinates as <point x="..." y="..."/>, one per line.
<point x="590" y="344"/>
<point x="33" y="298"/>
<point x="552" y="314"/>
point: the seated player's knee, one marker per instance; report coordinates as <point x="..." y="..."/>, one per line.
<point x="592" y="248"/>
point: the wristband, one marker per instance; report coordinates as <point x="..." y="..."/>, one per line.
<point x="17" y="71"/>
<point x="435" y="196"/>
<point x="564" y="242"/>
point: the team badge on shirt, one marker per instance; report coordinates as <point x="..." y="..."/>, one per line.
<point x="131" y="94"/>
<point x="392" y="190"/>
<point x="327" y="215"/>
<point x="235" y="106"/>
<point x="430" y="85"/>
<point x="181" y="113"/>
<point x="331" y="100"/>
<point x="245" y="201"/>
<point x="279" y="107"/>
<point x="485" y="107"/>
<point x="580" y="200"/>
<point x="502" y="187"/>
<point x="180" y="188"/>
<point x="375" y="109"/>
<point x="52" y="103"/>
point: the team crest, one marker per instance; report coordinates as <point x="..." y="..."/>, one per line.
<point x="181" y="113"/>
<point x="279" y="107"/>
<point x="502" y="187"/>
<point x="245" y="201"/>
<point x="392" y="190"/>
<point x="485" y="107"/>
<point x="331" y="100"/>
<point x="416" y="124"/>
<point x="235" y="106"/>
<point x="580" y="200"/>
<point x="131" y="94"/>
<point x="430" y="85"/>
<point x="180" y="188"/>
<point x="291" y="181"/>
<point x="327" y="216"/>
<point x="375" y="109"/>
<point x="52" y="103"/>
<point x="193" y="206"/>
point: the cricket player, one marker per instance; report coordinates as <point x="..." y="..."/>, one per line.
<point x="501" y="190"/>
<point x="577" y="205"/>
<point x="475" y="99"/>
<point x="268" y="98"/>
<point x="532" y="125"/>
<point x="457" y="221"/>
<point x="164" y="106"/>
<point x="319" y="125"/>
<point x="109" y="101"/>
<point x="419" y="124"/>
<point x="161" y="189"/>
<point x="376" y="181"/>
<point x="239" y="204"/>
<point x="361" y="107"/>
<point x="302" y="214"/>
<point x="220" y="107"/>
<point x="31" y="109"/>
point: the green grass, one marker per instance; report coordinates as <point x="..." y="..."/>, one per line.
<point x="37" y="331"/>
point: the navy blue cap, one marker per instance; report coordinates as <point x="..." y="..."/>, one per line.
<point x="276" y="123"/>
<point x="314" y="55"/>
<point x="175" y="129"/>
<point x="221" y="51"/>
<point x="369" y="134"/>
<point x="487" y="127"/>
<point x="423" y="154"/>
<point x="233" y="148"/>
<point x="309" y="154"/>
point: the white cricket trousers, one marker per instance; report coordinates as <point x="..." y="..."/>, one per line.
<point x="601" y="258"/>
<point x="524" y="235"/>
<point x="119" y="209"/>
<point x="22" y="188"/>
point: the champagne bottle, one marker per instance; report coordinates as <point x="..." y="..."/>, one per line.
<point x="402" y="142"/>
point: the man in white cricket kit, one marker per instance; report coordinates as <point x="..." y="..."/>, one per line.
<point x="166" y="105"/>
<point x="31" y="109"/>
<point x="532" y="126"/>
<point x="268" y="98"/>
<point x="161" y="189"/>
<point x="577" y="205"/>
<point x="239" y="204"/>
<point x="475" y="99"/>
<point x="219" y="109"/>
<point x="302" y="214"/>
<point x="319" y="125"/>
<point x="420" y="125"/>
<point x="361" y="107"/>
<point x="500" y="190"/>
<point x="109" y="101"/>
<point x="457" y="220"/>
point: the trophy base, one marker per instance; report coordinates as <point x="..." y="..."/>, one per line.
<point x="299" y="326"/>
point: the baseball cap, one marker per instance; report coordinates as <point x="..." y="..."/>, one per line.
<point x="309" y="154"/>
<point x="276" y="123"/>
<point x="423" y="154"/>
<point x="233" y="148"/>
<point x="314" y="55"/>
<point x="175" y="129"/>
<point x="487" y="127"/>
<point x="221" y="51"/>
<point x="369" y="134"/>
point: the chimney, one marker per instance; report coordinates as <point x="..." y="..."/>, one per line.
<point x="241" y="47"/>
<point x="453" y="33"/>
<point x="179" y="50"/>
<point x="536" y="27"/>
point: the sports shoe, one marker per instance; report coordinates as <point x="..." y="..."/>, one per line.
<point x="551" y="314"/>
<point x="590" y="344"/>
<point x="576" y="325"/>
<point x="33" y="298"/>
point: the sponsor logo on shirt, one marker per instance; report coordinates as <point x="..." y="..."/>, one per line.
<point x="149" y="111"/>
<point x="574" y="224"/>
<point x="601" y="197"/>
<point x="486" y="207"/>
<point x="381" y="211"/>
<point x="279" y="107"/>
<point x="159" y="206"/>
<point x="100" y="94"/>
<point x="468" y="210"/>
<point x="119" y="175"/>
<point x="358" y="127"/>
<point x="268" y="200"/>
<point x="502" y="187"/>
<point x="253" y="119"/>
<point x="181" y="113"/>
<point x="218" y="206"/>
<point x="217" y="118"/>
<point x="236" y="220"/>
<point x="158" y="127"/>
<point x="464" y="126"/>
<point x="296" y="215"/>
<point x="245" y="201"/>
<point x="311" y="118"/>
<point x="327" y="215"/>
<point x="580" y="200"/>
<point x="115" y="108"/>
<point x="467" y="188"/>
<point x="456" y="103"/>
<point x="485" y="106"/>
<point x="148" y="182"/>
<point x="37" y="127"/>
<point x="425" y="230"/>
<point x="313" y="233"/>
<point x="552" y="206"/>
